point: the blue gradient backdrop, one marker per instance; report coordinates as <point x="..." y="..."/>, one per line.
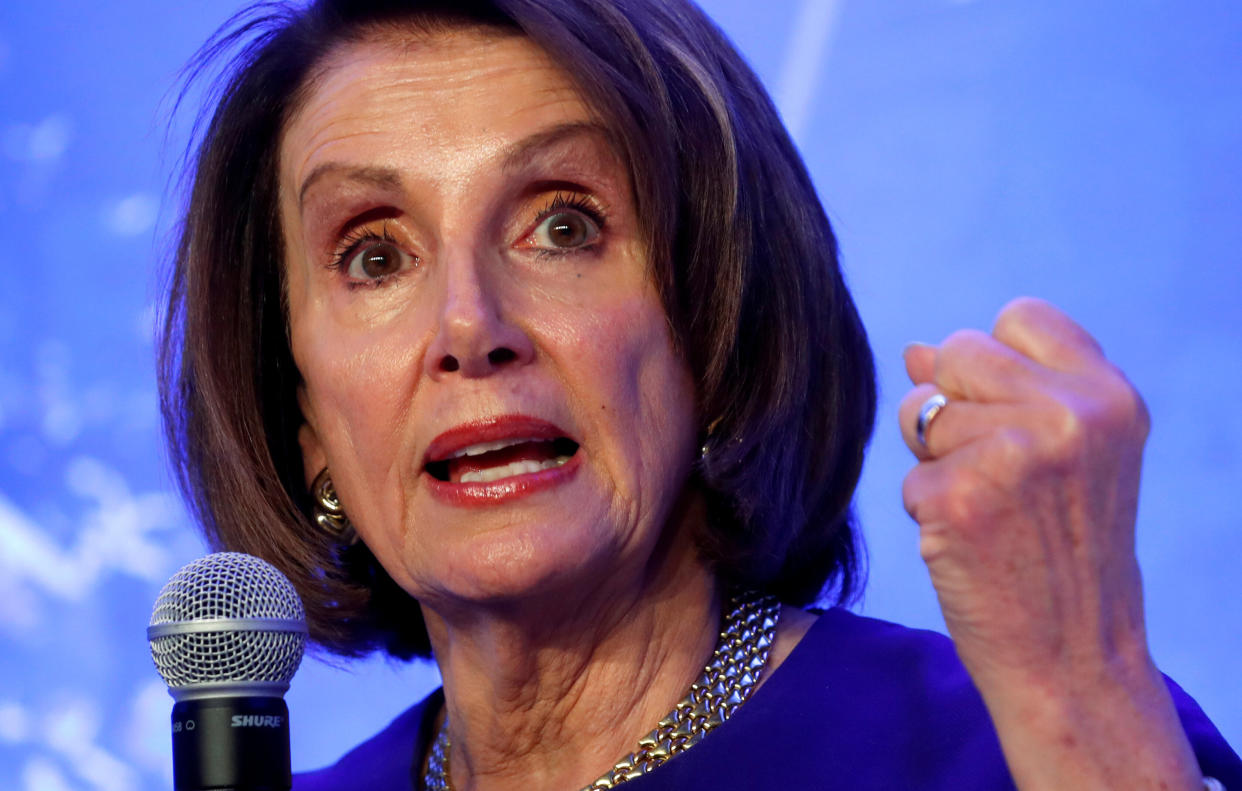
<point x="1089" y="153"/>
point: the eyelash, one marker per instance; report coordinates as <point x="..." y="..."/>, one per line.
<point x="353" y="239"/>
<point x="349" y="245"/>
<point x="579" y="202"/>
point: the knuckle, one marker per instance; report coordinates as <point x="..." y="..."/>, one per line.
<point x="1019" y="312"/>
<point x="962" y="350"/>
<point x="1142" y="416"/>
<point x="933" y="545"/>
<point x="911" y="497"/>
<point x="1118" y="409"/>
<point x="1074" y="426"/>
<point x="1126" y="407"/>
<point x="963" y="342"/>
<point x="1011" y="448"/>
<point x="1010" y="459"/>
<point x="1069" y="430"/>
<point x="1067" y="440"/>
<point x="973" y="495"/>
<point x="964" y="500"/>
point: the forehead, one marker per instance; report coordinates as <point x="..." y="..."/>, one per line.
<point x="449" y="98"/>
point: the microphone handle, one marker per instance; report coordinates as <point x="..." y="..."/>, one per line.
<point x="231" y="743"/>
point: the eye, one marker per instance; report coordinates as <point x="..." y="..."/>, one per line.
<point x="569" y="222"/>
<point x="565" y="230"/>
<point x="373" y="260"/>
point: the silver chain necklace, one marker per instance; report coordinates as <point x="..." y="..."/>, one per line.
<point x="730" y="677"/>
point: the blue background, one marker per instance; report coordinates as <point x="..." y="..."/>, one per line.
<point x="1089" y="153"/>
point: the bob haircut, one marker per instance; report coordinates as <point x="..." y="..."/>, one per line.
<point x="741" y="250"/>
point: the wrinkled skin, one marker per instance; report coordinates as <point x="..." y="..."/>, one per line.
<point x="567" y="620"/>
<point x="463" y="252"/>
<point x="1025" y="495"/>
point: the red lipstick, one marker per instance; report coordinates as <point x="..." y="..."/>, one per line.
<point x="478" y="446"/>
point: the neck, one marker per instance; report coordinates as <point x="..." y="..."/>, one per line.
<point x="550" y="694"/>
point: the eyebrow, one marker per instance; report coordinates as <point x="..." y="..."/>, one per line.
<point x="522" y="150"/>
<point x="511" y="158"/>
<point x="388" y="178"/>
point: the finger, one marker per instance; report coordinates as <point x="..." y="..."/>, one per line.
<point x="1046" y="334"/>
<point x="975" y="366"/>
<point x="955" y="425"/>
<point x="966" y="488"/>
<point x="922" y="491"/>
<point x="908" y="419"/>
<point x="940" y="498"/>
<point x="920" y="359"/>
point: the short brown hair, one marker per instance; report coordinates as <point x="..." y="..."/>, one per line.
<point x="742" y="252"/>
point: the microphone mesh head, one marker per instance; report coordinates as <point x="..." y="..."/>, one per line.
<point x="228" y="585"/>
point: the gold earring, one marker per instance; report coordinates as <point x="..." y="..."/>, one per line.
<point x="705" y="447"/>
<point x="329" y="514"/>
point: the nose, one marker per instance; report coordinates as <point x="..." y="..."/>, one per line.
<point x="474" y="334"/>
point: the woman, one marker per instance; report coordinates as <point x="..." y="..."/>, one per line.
<point x="513" y="332"/>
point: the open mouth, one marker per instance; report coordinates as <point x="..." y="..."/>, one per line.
<point x="491" y="461"/>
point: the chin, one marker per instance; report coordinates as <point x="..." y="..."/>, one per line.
<point x="525" y="562"/>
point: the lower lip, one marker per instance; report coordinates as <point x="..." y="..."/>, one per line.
<point x="482" y="494"/>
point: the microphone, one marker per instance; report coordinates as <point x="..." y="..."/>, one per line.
<point x="227" y="634"/>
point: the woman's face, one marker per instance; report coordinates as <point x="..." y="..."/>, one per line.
<point x="488" y="371"/>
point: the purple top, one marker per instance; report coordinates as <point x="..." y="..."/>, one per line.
<point x="859" y="704"/>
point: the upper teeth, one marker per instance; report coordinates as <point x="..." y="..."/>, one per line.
<point x="488" y="447"/>
<point x="511" y="469"/>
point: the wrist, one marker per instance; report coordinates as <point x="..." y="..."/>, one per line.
<point x="1114" y="727"/>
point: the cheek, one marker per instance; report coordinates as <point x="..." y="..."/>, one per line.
<point x="666" y="391"/>
<point x="357" y="387"/>
<point x="358" y="393"/>
<point x="644" y="392"/>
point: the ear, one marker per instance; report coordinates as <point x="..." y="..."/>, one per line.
<point x="313" y="457"/>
